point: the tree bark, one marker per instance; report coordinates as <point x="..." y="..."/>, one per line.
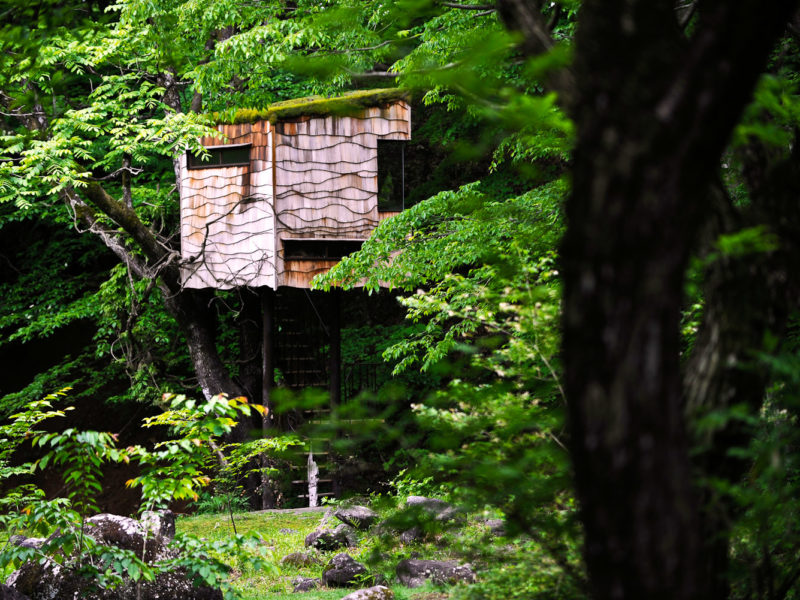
<point x="654" y="112"/>
<point x="748" y="301"/>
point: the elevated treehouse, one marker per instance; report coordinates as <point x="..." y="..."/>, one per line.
<point x="285" y="192"/>
<point x="280" y="196"/>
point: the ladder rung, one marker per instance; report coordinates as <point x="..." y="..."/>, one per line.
<point x="318" y="481"/>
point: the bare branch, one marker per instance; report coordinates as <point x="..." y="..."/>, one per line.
<point x="115" y="174"/>
<point x="685" y="13"/>
<point x="366" y="49"/>
<point x="159" y="257"/>
<point x="127" y="197"/>
<point x="554" y="17"/>
<point x="375" y="75"/>
<point x="526" y="17"/>
<point x="488" y="7"/>
<point x="85" y="216"/>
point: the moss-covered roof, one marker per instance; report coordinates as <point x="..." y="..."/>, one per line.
<point x="350" y="103"/>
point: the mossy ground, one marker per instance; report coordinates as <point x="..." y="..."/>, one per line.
<point x="273" y="527"/>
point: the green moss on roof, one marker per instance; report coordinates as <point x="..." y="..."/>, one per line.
<point x="349" y="104"/>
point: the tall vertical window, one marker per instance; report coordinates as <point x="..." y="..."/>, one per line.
<point x="391" y="175"/>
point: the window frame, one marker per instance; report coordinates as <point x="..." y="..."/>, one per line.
<point x="292" y="248"/>
<point x="220" y="165"/>
<point x="402" y="145"/>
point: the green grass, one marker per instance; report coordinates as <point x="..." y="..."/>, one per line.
<point x="277" y="586"/>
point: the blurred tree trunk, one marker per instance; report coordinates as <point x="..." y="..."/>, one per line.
<point x="654" y="110"/>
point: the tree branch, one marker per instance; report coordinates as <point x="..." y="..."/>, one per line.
<point x="526" y="18"/>
<point x="84" y="214"/>
<point x="365" y="49"/>
<point x="124" y="216"/>
<point x="374" y="75"/>
<point x="469" y="6"/>
<point x="687" y="14"/>
<point x="127" y="197"/>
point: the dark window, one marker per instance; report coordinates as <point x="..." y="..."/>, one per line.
<point x="235" y="155"/>
<point x="391" y="175"/>
<point x="315" y="249"/>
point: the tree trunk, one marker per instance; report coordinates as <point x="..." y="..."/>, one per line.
<point x="653" y="112"/>
<point x="748" y="301"/>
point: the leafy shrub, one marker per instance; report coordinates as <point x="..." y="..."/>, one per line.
<point x="216" y="503"/>
<point x="172" y="470"/>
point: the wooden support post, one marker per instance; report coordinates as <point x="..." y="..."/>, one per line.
<point x="267" y="377"/>
<point x="313" y="479"/>
<point x="335" y="368"/>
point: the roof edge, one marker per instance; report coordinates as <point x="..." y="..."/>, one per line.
<point x="349" y="104"/>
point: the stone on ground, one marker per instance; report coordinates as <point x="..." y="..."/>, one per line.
<point x="343" y="571"/>
<point x="300" y="559"/>
<point x="415" y="572"/>
<point x="50" y="581"/>
<point x="9" y="593"/>
<point x="437" y="509"/>
<point x="305" y="584"/>
<point x="359" y="517"/>
<point x="332" y="539"/>
<point x="497" y="527"/>
<point x="378" y="592"/>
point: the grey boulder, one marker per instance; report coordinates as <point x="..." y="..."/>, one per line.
<point x="378" y="592"/>
<point x="415" y="572"/>
<point x="434" y="508"/>
<point x="305" y="584"/>
<point x="360" y="517"/>
<point x="497" y="527"/>
<point x="9" y="593"/>
<point x="332" y="539"/>
<point x="343" y="571"/>
<point x="160" y="523"/>
<point x="48" y="580"/>
<point x="26" y="542"/>
<point x="125" y="533"/>
<point x="300" y="559"/>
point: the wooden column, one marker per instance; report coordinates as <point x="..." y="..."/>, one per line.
<point x="267" y="379"/>
<point x="335" y="358"/>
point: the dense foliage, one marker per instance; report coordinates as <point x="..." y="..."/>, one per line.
<point x="517" y="120"/>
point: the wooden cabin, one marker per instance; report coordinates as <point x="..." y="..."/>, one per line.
<point x="285" y="192"/>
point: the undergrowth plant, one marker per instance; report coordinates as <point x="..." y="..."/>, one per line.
<point x="173" y="470"/>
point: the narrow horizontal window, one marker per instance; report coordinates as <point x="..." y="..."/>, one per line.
<point x="316" y="249"/>
<point x="234" y="155"/>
